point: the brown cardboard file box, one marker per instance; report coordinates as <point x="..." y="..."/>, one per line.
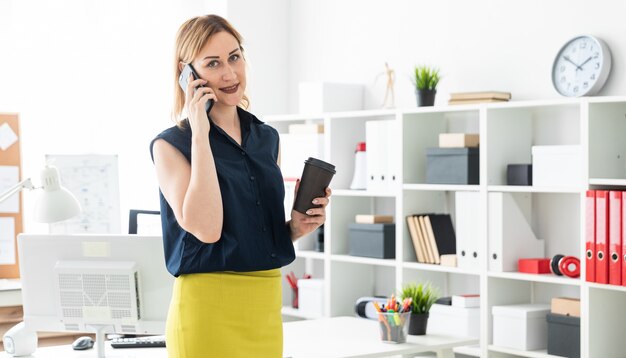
<point x="458" y="140"/>
<point x="565" y="306"/>
<point x="372" y="240"/>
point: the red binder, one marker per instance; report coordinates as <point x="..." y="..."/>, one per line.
<point x="615" y="238"/>
<point x="602" y="236"/>
<point x="590" y="236"/>
<point x="623" y="257"/>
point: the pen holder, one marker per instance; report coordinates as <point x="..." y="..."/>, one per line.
<point x="394" y="326"/>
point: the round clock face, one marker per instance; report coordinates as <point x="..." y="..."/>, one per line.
<point x="581" y="67"/>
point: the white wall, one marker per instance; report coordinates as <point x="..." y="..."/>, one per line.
<point x="264" y="26"/>
<point x="479" y="44"/>
<point x="92" y="77"/>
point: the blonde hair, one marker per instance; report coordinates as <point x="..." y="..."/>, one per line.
<point x="191" y="37"/>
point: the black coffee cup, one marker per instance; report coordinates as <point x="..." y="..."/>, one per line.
<point x="316" y="177"/>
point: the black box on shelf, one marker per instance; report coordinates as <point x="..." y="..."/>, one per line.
<point x="372" y="240"/>
<point x="563" y="335"/>
<point x="452" y="165"/>
<point x="519" y="174"/>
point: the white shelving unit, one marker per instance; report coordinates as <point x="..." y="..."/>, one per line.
<point x="507" y="133"/>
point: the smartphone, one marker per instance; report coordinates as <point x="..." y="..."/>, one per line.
<point x="183" y="82"/>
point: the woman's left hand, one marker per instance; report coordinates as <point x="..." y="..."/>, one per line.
<point x="302" y="224"/>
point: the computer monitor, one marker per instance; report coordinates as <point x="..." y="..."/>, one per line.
<point x="101" y="283"/>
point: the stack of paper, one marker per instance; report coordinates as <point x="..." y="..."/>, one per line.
<point x="479" y="97"/>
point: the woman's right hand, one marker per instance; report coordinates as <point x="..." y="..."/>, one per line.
<point x="195" y="101"/>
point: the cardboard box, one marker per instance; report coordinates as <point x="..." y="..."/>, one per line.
<point x="522" y="327"/>
<point x="319" y="97"/>
<point x="372" y="240"/>
<point x="454" y="321"/>
<point x="458" y="140"/>
<point x="563" y="335"/>
<point x="566" y="306"/>
<point x="452" y="165"/>
<point x="311" y="296"/>
<point x="557" y="165"/>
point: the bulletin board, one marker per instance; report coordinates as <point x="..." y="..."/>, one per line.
<point x="11" y="209"/>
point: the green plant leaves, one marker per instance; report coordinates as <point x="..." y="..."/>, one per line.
<point x="423" y="296"/>
<point x="426" y="77"/>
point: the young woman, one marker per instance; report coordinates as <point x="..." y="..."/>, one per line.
<point x="221" y="191"/>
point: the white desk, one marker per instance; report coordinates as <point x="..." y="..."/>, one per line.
<point x="356" y="337"/>
<point x="327" y="337"/>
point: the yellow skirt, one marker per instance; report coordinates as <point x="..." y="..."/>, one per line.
<point x="226" y="314"/>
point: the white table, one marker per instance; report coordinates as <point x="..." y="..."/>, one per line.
<point x="356" y="337"/>
<point x="327" y="337"/>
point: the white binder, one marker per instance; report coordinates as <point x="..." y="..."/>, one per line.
<point x="382" y="155"/>
<point x="510" y="234"/>
<point x="467" y="217"/>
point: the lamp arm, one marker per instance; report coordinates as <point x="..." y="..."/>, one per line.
<point x="24" y="184"/>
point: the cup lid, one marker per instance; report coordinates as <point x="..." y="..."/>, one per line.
<point x="320" y="163"/>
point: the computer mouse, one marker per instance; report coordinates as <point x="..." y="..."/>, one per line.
<point x="82" y="343"/>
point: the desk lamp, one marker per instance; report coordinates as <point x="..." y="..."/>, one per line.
<point x="55" y="203"/>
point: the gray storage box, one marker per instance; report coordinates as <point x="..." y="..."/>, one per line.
<point x="452" y="166"/>
<point x="373" y="240"/>
<point x="563" y="335"/>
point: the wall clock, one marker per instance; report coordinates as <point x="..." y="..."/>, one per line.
<point x="581" y="67"/>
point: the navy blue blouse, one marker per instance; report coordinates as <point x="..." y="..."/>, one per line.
<point x="254" y="234"/>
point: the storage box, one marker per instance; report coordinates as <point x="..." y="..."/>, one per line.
<point x="565" y="306"/>
<point x="541" y="265"/>
<point x="452" y="165"/>
<point x="519" y="174"/>
<point x="454" y="321"/>
<point x="563" y="335"/>
<point x="318" y="97"/>
<point x="458" y="140"/>
<point x="557" y="165"/>
<point x="522" y="327"/>
<point x="311" y="297"/>
<point x="372" y="240"/>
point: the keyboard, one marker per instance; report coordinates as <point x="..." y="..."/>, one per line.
<point x="138" y="342"/>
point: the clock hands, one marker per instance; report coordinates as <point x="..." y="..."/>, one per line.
<point x="573" y="63"/>
<point x="587" y="60"/>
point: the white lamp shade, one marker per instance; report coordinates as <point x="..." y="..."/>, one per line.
<point x="58" y="205"/>
<point x="55" y="203"/>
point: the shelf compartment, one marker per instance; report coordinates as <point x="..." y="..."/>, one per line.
<point x="513" y="131"/>
<point x="350" y="281"/>
<point x="421" y="129"/>
<point x="545" y="278"/>
<point x="607" y="148"/>
<point x="606" y="324"/>
<point x="541" y="353"/>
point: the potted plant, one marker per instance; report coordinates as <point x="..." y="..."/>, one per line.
<point x="422" y="296"/>
<point x="426" y="80"/>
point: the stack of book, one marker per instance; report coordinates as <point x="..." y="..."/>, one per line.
<point x="433" y="237"/>
<point x="479" y="97"/>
